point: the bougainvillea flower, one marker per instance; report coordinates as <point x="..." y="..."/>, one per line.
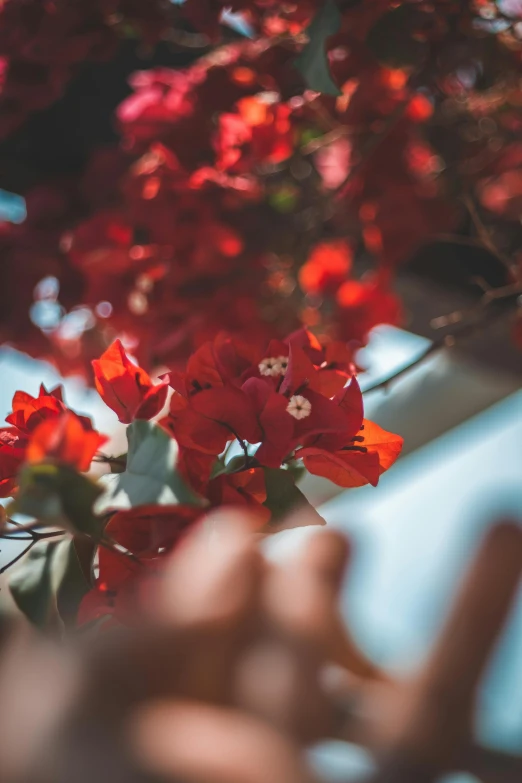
<point x="211" y="418"/>
<point x="360" y="462"/>
<point x="244" y="488"/>
<point x="293" y="413"/>
<point x="28" y="415"/>
<point x="201" y="372"/>
<point x="223" y="360"/>
<point x="28" y="411"/>
<point x="349" y="401"/>
<point x="125" y="387"/>
<point x="276" y="425"/>
<point x="65" y="440"/>
<point x="338" y="366"/>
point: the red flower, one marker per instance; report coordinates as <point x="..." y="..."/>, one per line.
<point x="211" y="418"/>
<point x="29" y="412"/>
<point x="46" y="425"/>
<point x="65" y="440"/>
<point x="125" y="387"/>
<point x="295" y="411"/>
<point x="282" y="401"/>
<point x="335" y="361"/>
<point x="360" y="462"/>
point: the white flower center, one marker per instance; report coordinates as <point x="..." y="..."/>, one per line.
<point x="299" y="407"/>
<point x="273" y="365"/>
<point x="283" y="363"/>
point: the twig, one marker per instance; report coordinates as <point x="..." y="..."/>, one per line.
<point x="485" y="236"/>
<point x="490" y="295"/>
<point x="449" y="340"/>
<point x="18" y="557"/>
<point x="34" y="537"/>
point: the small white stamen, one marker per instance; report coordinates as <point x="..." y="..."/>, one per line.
<point x="283" y="363"/>
<point x="271" y="366"/>
<point x="299" y="407"/>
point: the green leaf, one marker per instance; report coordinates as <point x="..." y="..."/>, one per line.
<point x="58" y="496"/>
<point x="285" y="500"/>
<point x="312" y="63"/>
<point x="150" y="475"/>
<point x="49" y="583"/>
<point x="32" y="583"/>
<point x="77" y="554"/>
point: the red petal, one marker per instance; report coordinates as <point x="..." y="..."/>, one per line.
<point x="122" y="385"/>
<point x="300" y="373"/>
<point x="344" y="468"/>
<point x="153" y="402"/>
<point x="276" y="424"/>
<point x="65" y="440"/>
<point x="230" y="407"/>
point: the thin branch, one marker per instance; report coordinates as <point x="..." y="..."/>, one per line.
<point x="484" y="235"/>
<point x="18" y="557"/>
<point x="490" y="295"/>
<point x="460" y="318"/>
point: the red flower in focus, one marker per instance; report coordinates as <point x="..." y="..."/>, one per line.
<point x="335" y="361"/>
<point x="209" y="419"/>
<point x="294" y="409"/>
<point x="291" y="396"/>
<point x="361" y="461"/>
<point x="125" y="387"/>
<point x="65" y="440"/>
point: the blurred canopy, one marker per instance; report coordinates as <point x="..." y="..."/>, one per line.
<point x="388" y="171"/>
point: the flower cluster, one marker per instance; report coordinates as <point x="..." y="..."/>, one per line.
<point x="410" y="111"/>
<point x="243" y="421"/>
